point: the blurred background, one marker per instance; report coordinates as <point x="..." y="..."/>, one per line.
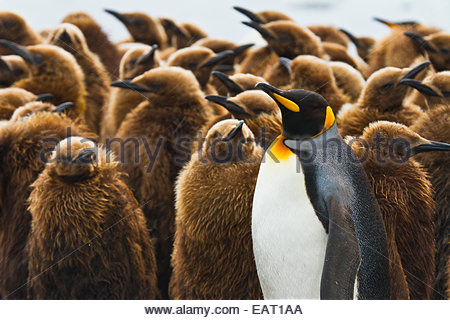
<point x="220" y="20"/>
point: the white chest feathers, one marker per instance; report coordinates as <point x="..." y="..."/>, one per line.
<point x="289" y="241"/>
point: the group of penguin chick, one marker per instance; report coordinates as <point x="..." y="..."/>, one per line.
<point x="86" y="217"/>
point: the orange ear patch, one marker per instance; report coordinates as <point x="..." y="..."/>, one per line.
<point x="278" y="151"/>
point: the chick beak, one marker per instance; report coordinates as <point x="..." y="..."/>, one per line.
<point x="126" y="84"/>
<point x="419" y="86"/>
<point x="279" y="97"/>
<point x="232" y="86"/>
<point x="45" y="97"/>
<point x="148" y="56"/>
<point x="388" y="23"/>
<point x="4" y="66"/>
<point x="218" y="58"/>
<point x="172" y="26"/>
<point x="351" y="37"/>
<point x="258" y="27"/>
<point x="430" y="146"/>
<point x="63" y="107"/>
<point x="236" y="132"/>
<point x="242" y="48"/>
<point x="85" y="156"/>
<point x="19" y="50"/>
<point x="286" y="63"/>
<point x="235" y="109"/>
<point x="119" y="16"/>
<point x="420" y="41"/>
<point x="248" y="14"/>
<point x="416" y="70"/>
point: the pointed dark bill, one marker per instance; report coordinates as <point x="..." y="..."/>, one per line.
<point x="242" y="48"/>
<point x="232" y="107"/>
<point x="44" y="97"/>
<point x="126" y="84"/>
<point x="420" y="41"/>
<point x="416" y="70"/>
<point x="19" y="50"/>
<point x="232" y="86"/>
<point x="63" y="107"/>
<point x="419" y="86"/>
<point x="4" y="66"/>
<point x="119" y="16"/>
<point x="266" y="34"/>
<point x="236" y="132"/>
<point x="148" y="56"/>
<point x="352" y="38"/>
<point x="248" y="14"/>
<point x="431" y="146"/>
<point x="219" y="57"/>
<point x="286" y="63"/>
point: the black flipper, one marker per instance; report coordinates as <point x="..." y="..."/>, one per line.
<point x="342" y="257"/>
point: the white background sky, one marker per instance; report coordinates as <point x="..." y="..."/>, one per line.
<point x="219" y="19"/>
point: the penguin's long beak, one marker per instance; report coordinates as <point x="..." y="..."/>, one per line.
<point x="248" y="14"/>
<point x="258" y="27"/>
<point x="119" y="16"/>
<point x="19" y="50"/>
<point x="416" y="70"/>
<point x="232" y="86"/>
<point x="235" y="132"/>
<point x="217" y="58"/>
<point x="419" y="86"/>
<point x="126" y="84"/>
<point x="352" y="38"/>
<point x="45" y="97"/>
<point x="4" y="66"/>
<point x="85" y="156"/>
<point x="279" y="96"/>
<point x="242" y="48"/>
<point x="232" y="107"/>
<point x="172" y="26"/>
<point x="431" y="146"/>
<point x="420" y="41"/>
<point x="391" y="24"/>
<point x="148" y="56"/>
<point x="286" y="63"/>
<point x="63" y="107"/>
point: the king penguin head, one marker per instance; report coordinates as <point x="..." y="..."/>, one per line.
<point x="305" y="114"/>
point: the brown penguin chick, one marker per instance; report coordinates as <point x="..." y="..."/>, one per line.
<point x="288" y="39"/>
<point x="433" y="90"/>
<point x="213" y="257"/>
<point x="12" y="69"/>
<point x="100" y="246"/>
<point x="96" y="80"/>
<point x="14" y="28"/>
<point x="24" y="145"/>
<point x="349" y="80"/>
<point x="181" y="35"/>
<point x="265" y="16"/>
<point x="396" y="49"/>
<point x="238" y="82"/>
<point x="220" y="45"/>
<point x="97" y="40"/>
<point x="381" y="99"/>
<point x="261" y="115"/>
<point x="167" y="123"/>
<point x="13" y="98"/>
<point x="257" y="61"/>
<point x="142" y="28"/>
<point x="200" y="60"/>
<point x="433" y="125"/>
<point x="405" y="196"/>
<point x="52" y="70"/>
<point x="278" y="74"/>
<point x="337" y="52"/>
<point x="314" y="74"/>
<point x="435" y="46"/>
<point x="330" y="34"/>
<point x="363" y="44"/>
<point x="33" y="107"/>
<point x="138" y="59"/>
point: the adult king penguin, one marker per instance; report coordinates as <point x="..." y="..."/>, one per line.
<point x="316" y="226"/>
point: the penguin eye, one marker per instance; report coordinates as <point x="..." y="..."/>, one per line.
<point x="258" y="111"/>
<point x="8" y="24"/>
<point x="217" y="135"/>
<point x="132" y="62"/>
<point x="18" y="71"/>
<point x="38" y="58"/>
<point x="387" y="86"/>
<point x="192" y="65"/>
<point x="137" y="22"/>
<point x="444" y="50"/>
